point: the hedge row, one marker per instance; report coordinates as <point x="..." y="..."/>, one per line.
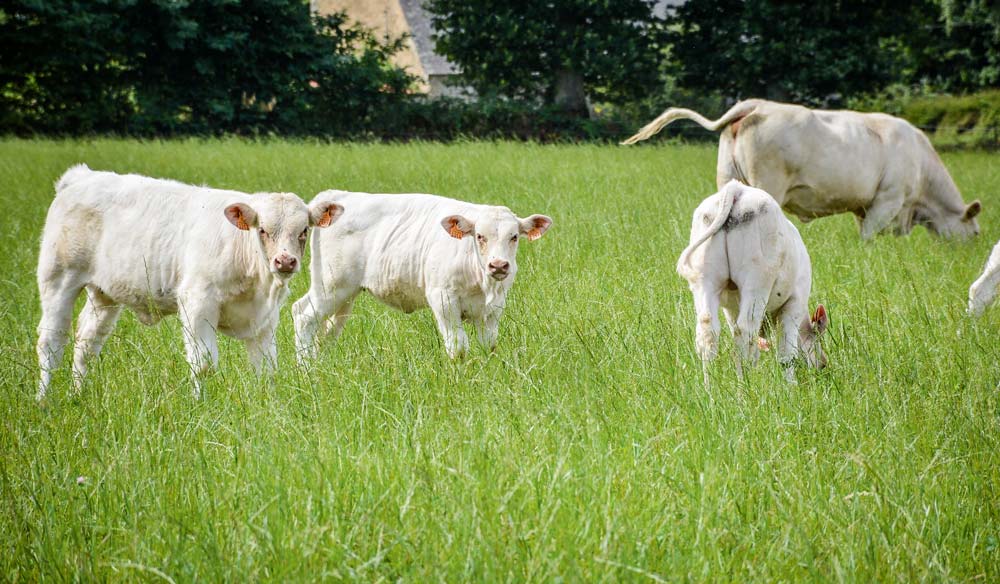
<point x="958" y="121"/>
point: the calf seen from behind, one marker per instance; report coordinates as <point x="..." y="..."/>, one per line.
<point x="746" y="257"/>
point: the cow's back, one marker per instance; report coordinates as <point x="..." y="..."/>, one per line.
<point x="813" y="162"/>
<point x="134" y="237"/>
<point x="392" y="245"/>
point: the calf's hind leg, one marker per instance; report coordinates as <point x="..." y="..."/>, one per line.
<point x="93" y="326"/>
<point x="312" y="310"/>
<point x="57" y="295"/>
<point x="706" y="338"/>
<point x="753" y="302"/>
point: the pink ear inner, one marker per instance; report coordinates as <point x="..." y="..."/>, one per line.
<point x="331" y="212"/>
<point x="536" y="230"/>
<point x="452" y="226"/>
<point x="235" y="215"/>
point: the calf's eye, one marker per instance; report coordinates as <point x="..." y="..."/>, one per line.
<point x="304" y="233"/>
<point x="262" y="233"/>
<point x="514" y="238"/>
<point x="480" y="238"/>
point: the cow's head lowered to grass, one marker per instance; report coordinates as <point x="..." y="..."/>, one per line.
<point x="281" y="222"/>
<point x="497" y="234"/>
<point x="960" y="223"/>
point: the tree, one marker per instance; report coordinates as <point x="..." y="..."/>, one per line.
<point x="554" y="52"/>
<point x="219" y="65"/>
<point x="163" y="66"/>
<point x="808" y="52"/>
<point x="62" y="67"/>
<point x="957" y="46"/>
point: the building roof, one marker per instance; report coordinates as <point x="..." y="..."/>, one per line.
<point x="422" y="30"/>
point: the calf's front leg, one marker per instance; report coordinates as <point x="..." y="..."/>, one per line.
<point x="448" y="314"/>
<point x="887" y="205"/>
<point x="488" y="328"/>
<point x="263" y="352"/>
<point x="199" y="320"/>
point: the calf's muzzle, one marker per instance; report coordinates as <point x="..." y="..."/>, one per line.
<point x="285" y="263"/>
<point x="499" y="269"/>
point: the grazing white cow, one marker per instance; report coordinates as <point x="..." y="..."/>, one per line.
<point x="817" y="163"/>
<point x="219" y="259"/>
<point x="746" y="257"/>
<point x="413" y="251"/>
<point x="984" y="290"/>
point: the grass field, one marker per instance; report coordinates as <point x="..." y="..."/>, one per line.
<point x="585" y="449"/>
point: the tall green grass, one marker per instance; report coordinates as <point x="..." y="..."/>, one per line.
<point x="586" y="448"/>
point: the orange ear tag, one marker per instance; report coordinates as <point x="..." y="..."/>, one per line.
<point x="242" y="223"/>
<point x="455" y="232"/>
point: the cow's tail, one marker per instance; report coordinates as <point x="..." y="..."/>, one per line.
<point x="738" y="111"/>
<point x="729" y="193"/>
<point x="75" y="173"/>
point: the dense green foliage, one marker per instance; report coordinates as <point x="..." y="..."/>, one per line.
<point x="521" y="48"/>
<point x="971" y="120"/>
<point x="953" y="47"/>
<point x="585" y="449"/>
<point x="790" y="51"/>
<point x="159" y="66"/>
<point x="584" y="69"/>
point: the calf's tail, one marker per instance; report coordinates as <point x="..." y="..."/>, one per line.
<point x="738" y="111"/>
<point x="729" y="193"/>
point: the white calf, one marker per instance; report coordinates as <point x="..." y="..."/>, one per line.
<point x="746" y="257"/>
<point x="414" y="251"/>
<point x="161" y="247"/>
<point x="984" y="290"/>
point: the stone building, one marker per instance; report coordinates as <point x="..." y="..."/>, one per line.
<point x="392" y="19"/>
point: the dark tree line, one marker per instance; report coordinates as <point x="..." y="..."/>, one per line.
<point x="812" y="52"/>
<point x="161" y="66"/>
<point x="261" y="66"/>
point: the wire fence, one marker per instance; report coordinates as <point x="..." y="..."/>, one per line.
<point x="987" y="136"/>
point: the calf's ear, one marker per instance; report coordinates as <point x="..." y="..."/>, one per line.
<point x="324" y="213"/>
<point x="819" y="320"/>
<point x="973" y="209"/>
<point x="242" y="216"/>
<point x="535" y="226"/>
<point x="457" y="226"/>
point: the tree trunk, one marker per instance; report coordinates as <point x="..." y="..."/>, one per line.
<point x="570" y="95"/>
